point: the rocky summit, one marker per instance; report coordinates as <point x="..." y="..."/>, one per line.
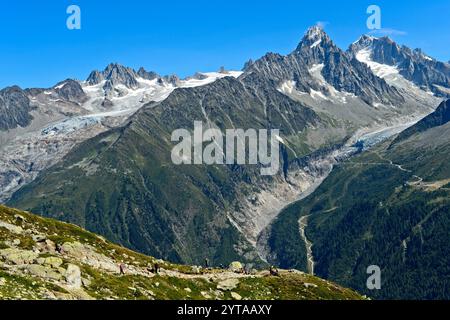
<point x="45" y="259"/>
<point x="14" y="108"/>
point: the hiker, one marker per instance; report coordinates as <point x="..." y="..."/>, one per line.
<point x="273" y="271"/>
<point x="59" y="248"/>
<point x="153" y="269"/>
<point x="206" y="263"/>
<point x="247" y="270"/>
<point x="122" y="268"/>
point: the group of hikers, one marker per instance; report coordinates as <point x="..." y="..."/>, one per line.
<point x="151" y="269"/>
<point x="245" y="269"/>
<point x="156" y="268"/>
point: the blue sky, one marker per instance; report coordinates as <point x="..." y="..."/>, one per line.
<point x="37" y="49"/>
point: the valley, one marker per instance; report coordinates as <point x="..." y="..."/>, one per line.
<point x="313" y="175"/>
<point x="396" y="189"/>
<point x="303" y="224"/>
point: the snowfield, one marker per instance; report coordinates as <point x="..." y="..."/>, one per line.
<point x="393" y="77"/>
<point x="148" y="91"/>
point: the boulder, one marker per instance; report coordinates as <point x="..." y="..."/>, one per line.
<point x="53" y="262"/>
<point x="236" y="296"/>
<point x="236" y="266"/>
<point x="228" y="284"/>
<point x="49" y="246"/>
<point x="10" y="227"/>
<point x="296" y="271"/>
<point x="88" y="255"/>
<point x="44" y="272"/>
<point x="39" y="237"/>
<point x="310" y="285"/>
<point x="196" y="269"/>
<point x="74" y="249"/>
<point x="73" y="276"/>
<point x="86" y="282"/>
<point x="17" y="256"/>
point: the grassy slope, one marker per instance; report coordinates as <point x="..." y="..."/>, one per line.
<point x="173" y="282"/>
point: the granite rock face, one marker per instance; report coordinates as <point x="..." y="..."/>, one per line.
<point x="413" y="64"/>
<point x="115" y="74"/>
<point x="14" y="108"/>
<point x="70" y="90"/>
<point x="148" y="75"/>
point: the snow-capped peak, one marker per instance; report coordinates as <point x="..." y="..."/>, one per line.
<point x="314" y="37"/>
<point x="315" y="33"/>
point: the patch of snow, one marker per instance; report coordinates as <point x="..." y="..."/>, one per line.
<point x="316" y="71"/>
<point x="377" y="105"/>
<point x="317" y="95"/>
<point x="287" y="87"/>
<point x="147" y="91"/>
<point x="60" y="86"/>
<point x="315" y="44"/>
<point x="334" y="95"/>
<point x="393" y="77"/>
<point x="210" y="77"/>
<point x="380" y="70"/>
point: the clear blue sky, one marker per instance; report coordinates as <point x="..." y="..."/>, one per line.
<point x="37" y="50"/>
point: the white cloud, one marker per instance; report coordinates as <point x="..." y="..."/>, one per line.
<point x="322" y="24"/>
<point x="388" y="32"/>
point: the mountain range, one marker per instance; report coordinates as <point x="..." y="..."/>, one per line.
<point x="97" y="153"/>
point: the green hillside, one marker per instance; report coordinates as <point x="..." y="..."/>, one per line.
<point x="45" y="259"/>
<point x="390" y="207"/>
